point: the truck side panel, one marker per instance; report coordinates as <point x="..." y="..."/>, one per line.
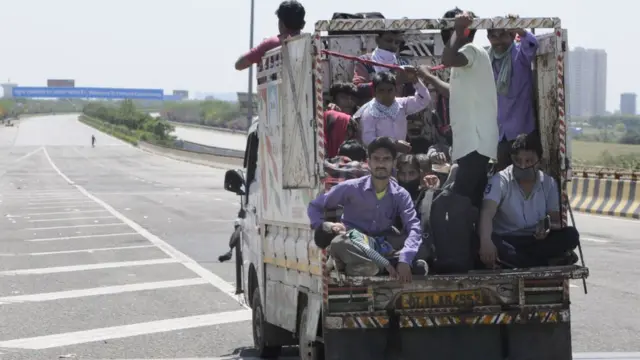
<point x="292" y="264"/>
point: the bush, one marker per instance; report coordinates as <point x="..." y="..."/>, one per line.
<point x="127" y="123"/>
<point x="209" y="113"/>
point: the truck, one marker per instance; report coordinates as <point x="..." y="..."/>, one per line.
<point x="282" y="275"/>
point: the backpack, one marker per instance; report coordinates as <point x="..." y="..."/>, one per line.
<point x="449" y="219"/>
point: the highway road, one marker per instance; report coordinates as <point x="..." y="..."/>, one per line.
<point x="111" y="253"/>
<point x="221" y="139"/>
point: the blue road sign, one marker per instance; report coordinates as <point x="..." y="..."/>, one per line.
<point x="87" y="93"/>
<point x="173" y="98"/>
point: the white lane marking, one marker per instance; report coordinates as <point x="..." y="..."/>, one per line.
<point x="55" y="200"/>
<point x="74" y="226"/>
<point x="64" y="212"/>
<point x="50" y="191"/>
<point x="57" y="204"/>
<point x="188" y="262"/>
<point x="41" y="200"/>
<point x="119" y="332"/>
<point x="590" y="239"/>
<point x="87" y="203"/>
<point x="82" y="237"/>
<point x="28" y="154"/>
<point x="73" y="218"/>
<point x="104" y="290"/>
<point x="72" y="268"/>
<point x="115" y="248"/>
<point x="616" y="218"/>
<point x="29" y="195"/>
<point x="607" y="356"/>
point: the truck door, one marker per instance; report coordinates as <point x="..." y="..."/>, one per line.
<point x="298" y="114"/>
<point x="550" y="65"/>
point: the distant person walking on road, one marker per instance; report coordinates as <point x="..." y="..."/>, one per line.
<point x="93" y="141"/>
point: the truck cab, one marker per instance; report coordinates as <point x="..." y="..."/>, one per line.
<point x="497" y="314"/>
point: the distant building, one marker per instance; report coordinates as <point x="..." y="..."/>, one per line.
<point x="587" y="82"/>
<point x="628" y="104"/>
<point x="7" y="90"/>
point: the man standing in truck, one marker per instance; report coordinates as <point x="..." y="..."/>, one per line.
<point x="370" y="205"/>
<point x="511" y="63"/>
<point x="290" y="22"/>
<point x="473" y="105"/>
<point x="388" y="44"/>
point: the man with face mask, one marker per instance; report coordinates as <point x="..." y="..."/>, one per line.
<point x="511" y="62"/>
<point x="520" y="223"/>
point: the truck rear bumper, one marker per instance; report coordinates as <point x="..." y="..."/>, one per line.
<point x="365" y="321"/>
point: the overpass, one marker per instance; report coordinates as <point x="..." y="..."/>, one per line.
<point x="110" y="252"/>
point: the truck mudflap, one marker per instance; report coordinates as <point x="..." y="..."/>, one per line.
<point x="515" y="342"/>
<point x="515" y="314"/>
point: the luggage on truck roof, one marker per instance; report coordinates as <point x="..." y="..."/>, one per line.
<point x="360" y="15"/>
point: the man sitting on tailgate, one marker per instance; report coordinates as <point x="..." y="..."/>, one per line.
<point x="370" y="206"/>
<point x="520" y="224"/>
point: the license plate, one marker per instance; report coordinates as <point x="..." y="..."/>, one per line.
<point x="421" y="300"/>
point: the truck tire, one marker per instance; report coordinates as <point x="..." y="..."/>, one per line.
<point x="260" y="328"/>
<point x="309" y="349"/>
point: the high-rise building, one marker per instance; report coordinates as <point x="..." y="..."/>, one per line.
<point x="7" y="90"/>
<point x="587" y="82"/>
<point x="628" y="104"/>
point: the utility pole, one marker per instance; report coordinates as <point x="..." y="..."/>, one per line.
<point x="250" y="111"/>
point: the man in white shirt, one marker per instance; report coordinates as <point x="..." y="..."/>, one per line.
<point x="473" y="106"/>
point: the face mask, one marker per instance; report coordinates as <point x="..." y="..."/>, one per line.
<point x="412" y="187"/>
<point x="524" y="174"/>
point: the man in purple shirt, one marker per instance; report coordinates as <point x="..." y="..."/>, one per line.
<point x="514" y="81"/>
<point x="371" y="205"/>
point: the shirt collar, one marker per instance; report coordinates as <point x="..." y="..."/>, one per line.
<point x="368" y="185"/>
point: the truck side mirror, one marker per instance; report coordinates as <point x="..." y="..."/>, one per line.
<point x="234" y="182"/>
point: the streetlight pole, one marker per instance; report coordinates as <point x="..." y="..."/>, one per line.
<point x="250" y="112"/>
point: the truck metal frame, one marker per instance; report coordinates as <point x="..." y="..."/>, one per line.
<point x="284" y="278"/>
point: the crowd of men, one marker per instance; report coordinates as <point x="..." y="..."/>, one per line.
<point x="386" y="174"/>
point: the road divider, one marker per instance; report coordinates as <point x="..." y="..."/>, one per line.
<point x="212" y="160"/>
<point x="605" y="197"/>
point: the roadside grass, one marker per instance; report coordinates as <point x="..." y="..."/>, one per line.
<point x="610" y="155"/>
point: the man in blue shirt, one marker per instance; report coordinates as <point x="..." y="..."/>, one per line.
<point x="520" y="223"/>
<point x="370" y="205"/>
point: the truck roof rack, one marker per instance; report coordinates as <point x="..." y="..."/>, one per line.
<point x="345" y="25"/>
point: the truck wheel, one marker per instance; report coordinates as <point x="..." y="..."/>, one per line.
<point x="309" y="349"/>
<point x="260" y="328"/>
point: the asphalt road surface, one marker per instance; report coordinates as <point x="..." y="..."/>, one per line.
<point x="111" y="253"/>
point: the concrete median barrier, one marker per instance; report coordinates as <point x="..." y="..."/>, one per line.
<point x="606" y="197"/>
<point x="206" y="159"/>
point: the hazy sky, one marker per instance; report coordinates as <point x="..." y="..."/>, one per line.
<point x="193" y="44"/>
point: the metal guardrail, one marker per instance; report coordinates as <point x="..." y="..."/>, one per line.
<point x="605" y="173"/>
